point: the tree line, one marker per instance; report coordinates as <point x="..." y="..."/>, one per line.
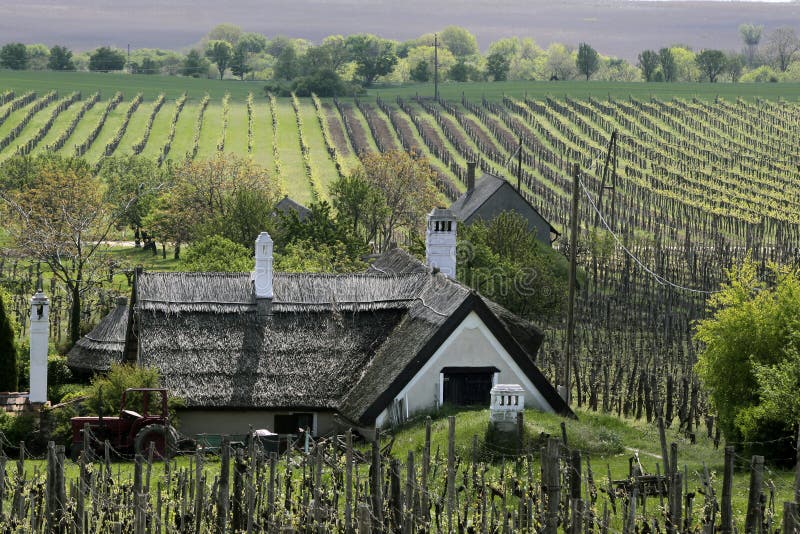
<point x="343" y="64"/>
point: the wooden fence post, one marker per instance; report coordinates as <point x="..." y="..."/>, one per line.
<point x="222" y="491"/>
<point x="551" y="484"/>
<point x="348" y="484"/>
<point x="754" y="512"/>
<point x="377" y="483"/>
<point x="726" y="511"/>
<point x="451" y="470"/>
<point x="790" y="523"/>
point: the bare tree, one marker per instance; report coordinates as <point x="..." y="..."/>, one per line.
<point x="783" y="45"/>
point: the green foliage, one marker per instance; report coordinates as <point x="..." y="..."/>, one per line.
<point x="106" y="59"/>
<point x="58" y="374"/>
<point x="106" y="390"/>
<point x="308" y="256"/>
<point x="17" y="428"/>
<point x="60" y="59"/>
<point x="750" y="358"/>
<point x="8" y="347"/>
<point x="217" y="254"/>
<point x="373" y="56"/>
<point x="322" y="234"/>
<point x="132" y="186"/>
<point x="420" y="72"/>
<point x="505" y="262"/>
<point x="712" y="63"/>
<point x="14" y="56"/>
<point x="497" y="65"/>
<point x="648" y="62"/>
<point x="669" y="68"/>
<point x="359" y="204"/>
<point x="285" y="67"/>
<point x="587" y="60"/>
<point x="459" y="41"/>
<point x="220" y="53"/>
<point x="195" y="65"/>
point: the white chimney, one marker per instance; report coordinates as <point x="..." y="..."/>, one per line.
<point x="440" y="241"/>
<point x="40" y="336"/>
<point x="262" y="276"/>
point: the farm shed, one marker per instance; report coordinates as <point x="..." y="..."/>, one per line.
<point x="282" y="351"/>
<point x="287" y="205"/>
<point x="490" y="196"/>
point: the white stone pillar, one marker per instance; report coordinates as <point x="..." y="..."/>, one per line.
<point x="40" y="337"/>
<point x="262" y="276"/>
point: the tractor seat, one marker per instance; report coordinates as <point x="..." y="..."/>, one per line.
<point x="132" y="414"/>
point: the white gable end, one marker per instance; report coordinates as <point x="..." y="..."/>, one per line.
<point x="471" y="344"/>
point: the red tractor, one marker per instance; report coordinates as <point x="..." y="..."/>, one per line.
<point x="131" y="432"/>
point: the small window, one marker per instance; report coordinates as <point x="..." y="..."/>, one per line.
<point x="516" y="400"/>
<point x="449" y="226"/>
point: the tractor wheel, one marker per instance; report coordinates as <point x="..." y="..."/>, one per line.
<point x="162" y="437"/>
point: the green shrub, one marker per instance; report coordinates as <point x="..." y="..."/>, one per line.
<point x="17" y="428"/>
<point x="58" y="374"/>
<point x="107" y="390"/>
<point x="217" y="254"/>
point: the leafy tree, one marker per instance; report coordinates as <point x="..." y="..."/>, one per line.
<point x="249" y="43"/>
<point x="459" y="72"/>
<point x="648" y="62"/>
<point x="228" y="196"/>
<point x="750" y="359"/>
<point x="220" y="53"/>
<point x="373" y="56"/>
<point x="336" y="49"/>
<point x="497" y="65"/>
<point x="360" y="205"/>
<point x="783" y="44"/>
<point x="587" y="60"/>
<point x="14" y="56"/>
<point x="57" y="215"/>
<point x="105" y="59"/>
<point x="712" y="63"/>
<point x="38" y="56"/>
<point x="459" y="41"/>
<point x="286" y="63"/>
<point x="8" y="347"/>
<point x="276" y="45"/>
<point x="224" y="32"/>
<point x="218" y="255"/>
<point x="132" y="184"/>
<point x="60" y="59"/>
<point x="734" y="65"/>
<point x="503" y="260"/>
<point x="195" y="65"/>
<point x="405" y="184"/>
<point x="669" y="69"/>
<point x="560" y="64"/>
<point x="751" y="36"/>
<point x="420" y="72"/>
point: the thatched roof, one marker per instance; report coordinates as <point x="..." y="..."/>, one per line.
<point x="101" y="347"/>
<point x="345" y="343"/>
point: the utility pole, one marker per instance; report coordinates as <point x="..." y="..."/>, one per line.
<point x="573" y="257"/>
<point x="436" y="67"/>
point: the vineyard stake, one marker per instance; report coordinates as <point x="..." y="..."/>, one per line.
<point x="573" y="256"/>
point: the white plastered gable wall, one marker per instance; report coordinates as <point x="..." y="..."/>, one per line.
<point x="471" y="344"/>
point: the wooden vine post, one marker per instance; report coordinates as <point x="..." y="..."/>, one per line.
<point x="573" y="259"/>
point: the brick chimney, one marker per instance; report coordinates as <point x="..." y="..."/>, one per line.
<point x="440" y="241"/>
<point x="470" y="176"/>
<point x="39" y="337"/>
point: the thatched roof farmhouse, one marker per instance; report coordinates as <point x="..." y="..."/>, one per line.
<point x="279" y="350"/>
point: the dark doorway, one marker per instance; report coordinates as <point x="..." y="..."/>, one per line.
<point x="291" y="423"/>
<point x="468" y="386"/>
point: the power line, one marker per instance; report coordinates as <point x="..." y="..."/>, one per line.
<point x="658" y="278"/>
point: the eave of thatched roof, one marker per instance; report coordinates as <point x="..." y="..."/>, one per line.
<point x="103" y="346"/>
